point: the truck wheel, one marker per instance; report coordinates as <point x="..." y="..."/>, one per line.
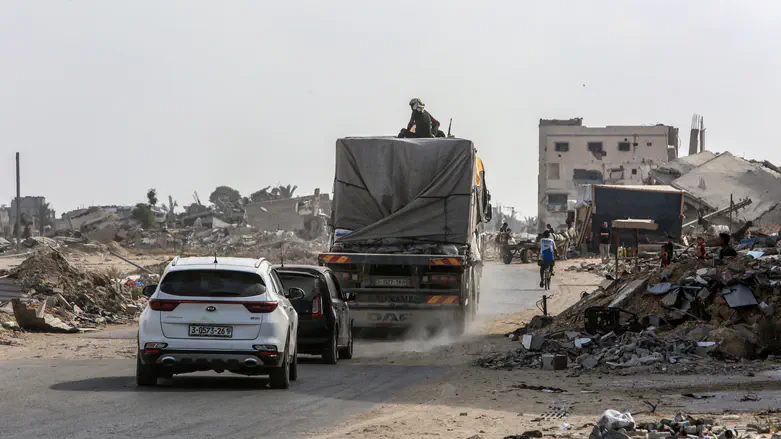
<point x="507" y="257"/>
<point x="525" y="256"/>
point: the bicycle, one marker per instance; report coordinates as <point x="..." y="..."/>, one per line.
<point x="546" y="277"/>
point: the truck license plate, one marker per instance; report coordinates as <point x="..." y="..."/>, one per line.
<point x="211" y="331"/>
<point x="391" y="282"/>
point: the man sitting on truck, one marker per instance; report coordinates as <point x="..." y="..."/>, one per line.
<point x="426" y="126"/>
<point x="547" y="255"/>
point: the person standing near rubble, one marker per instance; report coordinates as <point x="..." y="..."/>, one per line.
<point x="604" y="243"/>
<point x="726" y="250"/>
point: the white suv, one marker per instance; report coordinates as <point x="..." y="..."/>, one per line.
<point x="218" y="314"/>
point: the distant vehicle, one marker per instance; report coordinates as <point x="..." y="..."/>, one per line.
<point x="218" y="314"/>
<point x="407" y="231"/>
<point x="325" y="326"/>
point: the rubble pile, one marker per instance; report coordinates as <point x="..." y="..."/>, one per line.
<point x="77" y="297"/>
<point x="275" y="246"/>
<point x="613" y="424"/>
<point x="673" y="318"/>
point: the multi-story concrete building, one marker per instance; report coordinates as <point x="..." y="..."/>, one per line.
<point x="573" y="155"/>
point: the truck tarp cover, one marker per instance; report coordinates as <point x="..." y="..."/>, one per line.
<point x="403" y="188"/>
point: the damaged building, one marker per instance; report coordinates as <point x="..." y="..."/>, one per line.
<point x="712" y="181"/>
<point x="573" y="155"/>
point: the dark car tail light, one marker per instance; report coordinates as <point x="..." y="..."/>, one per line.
<point x="163" y="305"/>
<point x="317" y="306"/>
<point x="261" y="307"/>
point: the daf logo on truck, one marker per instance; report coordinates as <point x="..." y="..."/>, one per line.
<point x="389" y="317"/>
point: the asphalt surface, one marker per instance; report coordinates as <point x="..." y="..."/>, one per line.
<point x="89" y="399"/>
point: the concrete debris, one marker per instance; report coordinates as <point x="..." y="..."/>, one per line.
<point x="78" y="298"/>
<point x="554" y="362"/>
<point x="684" y="316"/>
<point x="614" y="424"/>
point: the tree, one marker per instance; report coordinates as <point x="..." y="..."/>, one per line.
<point x="151" y="195"/>
<point x="143" y="214"/>
<point x="224" y="193"/>
<point x="285" y="192"/>
<point x="261" y="195"/>
<point x="44" y="216"/>
<point x="169" y="209"/>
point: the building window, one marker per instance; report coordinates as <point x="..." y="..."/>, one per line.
<point x="595" y="147"/>
<point x="624" y="146"/>
<point x="562" y="146"/>
<point x="557" y="202"/>
<point x="554" y="171"/>
<point x="649" y="144"/>
<point x="587" y="176"/>
<point x="634" y="171"/>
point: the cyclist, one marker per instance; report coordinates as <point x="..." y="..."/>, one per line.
<point x="547" y="255"/>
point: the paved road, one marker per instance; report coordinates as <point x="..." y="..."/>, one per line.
<point x="79" y="399"/>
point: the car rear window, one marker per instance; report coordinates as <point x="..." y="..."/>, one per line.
<point x="307" y="282"/>
<point x="213" y="283"/>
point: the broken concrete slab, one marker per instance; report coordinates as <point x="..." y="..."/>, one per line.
<point x="739" y="296"/>
<point x="660" y="288"/>
<point x="532" y="342"/>
<point x="28" y="318"/>
<point x="554" y="362"/>
<point x="627" y="292"/>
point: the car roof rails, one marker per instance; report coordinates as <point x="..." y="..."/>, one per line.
<point x="259" y="261"/>
<point x="173" y="263"/>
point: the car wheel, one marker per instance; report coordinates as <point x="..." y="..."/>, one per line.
<point x="330" y="354"/>
<point x="347" y="352"/>
<point x="294" y="366"/>
<point x="146" y="374"/>
<point x="280" y="377"/>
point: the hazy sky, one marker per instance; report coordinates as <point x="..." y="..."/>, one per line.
<point x="105" y="99"/>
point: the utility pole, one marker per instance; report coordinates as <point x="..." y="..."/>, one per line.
<point x="18" y="206"/>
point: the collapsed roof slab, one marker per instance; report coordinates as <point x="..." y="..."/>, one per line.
<point x="725" y="175"/>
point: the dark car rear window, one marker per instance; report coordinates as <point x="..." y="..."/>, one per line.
<point x="213" y="283"/>
<point x="311" y="285"/>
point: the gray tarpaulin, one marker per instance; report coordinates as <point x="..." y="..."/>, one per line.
<point x="403" y="188"/>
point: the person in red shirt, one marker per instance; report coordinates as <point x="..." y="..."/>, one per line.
<point x="701" y="252"/>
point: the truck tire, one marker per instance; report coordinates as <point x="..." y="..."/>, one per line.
<point x="507" y="257"/>
<point x="525" y="256"/>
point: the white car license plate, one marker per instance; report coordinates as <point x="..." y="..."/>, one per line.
<point x="211" y="331"/>
<point x="392" y="282"/>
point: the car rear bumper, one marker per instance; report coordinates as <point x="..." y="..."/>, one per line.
<point x="313" y="336"/>
<point x="209" y="360"/>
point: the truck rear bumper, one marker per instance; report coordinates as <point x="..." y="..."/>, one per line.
<point x="404" y="318"/>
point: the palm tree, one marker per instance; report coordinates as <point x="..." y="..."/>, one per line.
<point x="285" y="192"/>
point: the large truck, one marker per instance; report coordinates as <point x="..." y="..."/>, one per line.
<point x="407" y="231"/>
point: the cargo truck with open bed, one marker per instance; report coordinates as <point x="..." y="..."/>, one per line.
<point x="407" y="231"/>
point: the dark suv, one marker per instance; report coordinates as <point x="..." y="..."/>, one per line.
<point x="324" y="323"/>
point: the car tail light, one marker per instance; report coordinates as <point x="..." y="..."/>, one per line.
<point x="317" y="306"/>
<point x="261" y="307"/>
<point x="267" y="350"/>
<point x="163" y="305"/>
<point x="154" y="348"/>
